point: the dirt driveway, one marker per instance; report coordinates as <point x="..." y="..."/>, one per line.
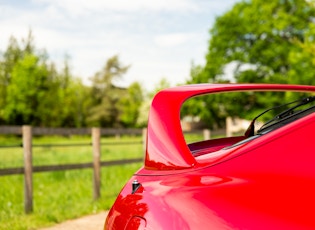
<point x="93" y="222"/>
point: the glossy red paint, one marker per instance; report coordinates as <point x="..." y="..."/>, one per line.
<point x="267" y="183"/>
<point x="163" y="153"/>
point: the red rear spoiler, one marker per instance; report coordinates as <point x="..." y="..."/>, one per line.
<point x="166" y="147"/>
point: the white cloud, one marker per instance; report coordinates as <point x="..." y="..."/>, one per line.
<point x="79" y="7"/>
<point x="158" y="38"/>
<point x="174" y="39"/>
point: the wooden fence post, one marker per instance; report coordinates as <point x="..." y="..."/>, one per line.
<point x="28" y="168"/>
<point x="96" y="142"/>
<point x="206" y="134"/>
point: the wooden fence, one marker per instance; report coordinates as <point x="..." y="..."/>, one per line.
<point x="27" y="133"/>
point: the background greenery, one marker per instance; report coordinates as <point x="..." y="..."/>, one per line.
<point x="62" y="195"/>
<point x="257" y="41"/>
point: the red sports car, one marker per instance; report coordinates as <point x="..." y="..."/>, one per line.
<point x="263" y="178"/>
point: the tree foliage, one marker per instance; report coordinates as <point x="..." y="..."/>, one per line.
<point x="106" y="96"/>
<point x="25" y="93"/>
<point x="34" y="91"/>
<point x="262" y="34"/>
<point x="266" y="41"/>
<point x="129" y="105"/>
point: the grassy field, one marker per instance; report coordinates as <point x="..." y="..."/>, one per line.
<point x="62" y="195"/>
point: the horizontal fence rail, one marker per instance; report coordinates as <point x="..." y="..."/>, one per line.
<point x="50" y="168"/>
<point x="37" y="131"/>
<point x="28" y="132"/>
<point x="73" y="144"/>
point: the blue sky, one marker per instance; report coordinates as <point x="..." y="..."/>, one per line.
<point x="157" y="38"/>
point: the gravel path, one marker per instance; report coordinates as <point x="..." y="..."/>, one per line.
<point x="93" y="222"/>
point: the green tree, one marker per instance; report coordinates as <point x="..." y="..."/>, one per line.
<point x="22" y="80"/>
<point x="8" y="59"/>
<point x="34" y="92"/>
<point x="66" y="100"/>
<point x="105" y="109"/>
<point x="129" y="105"/>
<point x="261" y="34"/>
<point x="266" y="41"/>
<point x="303" y="60"/>
<point x="26" y="90"/>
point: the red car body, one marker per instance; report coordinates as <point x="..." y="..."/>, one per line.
<point x="264" y="183"/>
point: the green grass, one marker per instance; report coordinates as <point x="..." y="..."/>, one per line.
<point x="62" y="195"/>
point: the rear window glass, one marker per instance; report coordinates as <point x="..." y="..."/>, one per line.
<point x="223" y="116"/>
